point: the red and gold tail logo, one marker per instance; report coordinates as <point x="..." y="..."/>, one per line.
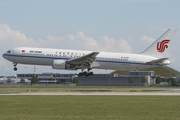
<point x="161" y="45"/>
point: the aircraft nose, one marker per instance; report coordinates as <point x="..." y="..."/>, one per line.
<point x="4" y="56"/>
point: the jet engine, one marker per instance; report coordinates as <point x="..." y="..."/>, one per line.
<point x="61" y="64"/>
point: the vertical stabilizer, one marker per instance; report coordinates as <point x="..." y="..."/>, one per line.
<point x="160" y="47"/>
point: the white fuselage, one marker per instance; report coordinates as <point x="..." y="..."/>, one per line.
<point x="104" y="60"/>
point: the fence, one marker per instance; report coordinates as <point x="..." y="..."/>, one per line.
<point x="113" y="81"/>
<point x="29" y="84"/>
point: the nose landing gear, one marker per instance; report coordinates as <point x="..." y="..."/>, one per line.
<point x="15" y="68"/>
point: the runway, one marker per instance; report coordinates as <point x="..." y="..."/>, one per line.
<point x="95" y="93"/>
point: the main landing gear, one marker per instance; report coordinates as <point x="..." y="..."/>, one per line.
<point x="15" y="68"/>
<point x="86" y="73"/>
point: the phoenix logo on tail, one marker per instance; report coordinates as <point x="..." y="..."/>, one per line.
<point x="161" y="45"/>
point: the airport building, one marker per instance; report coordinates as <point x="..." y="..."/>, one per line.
<point x="178" y="79"/>
<point x="48" y="77"/>
<point x="135" y="78"/>
<point x="146" y="73"/>
<point x="5" y="80"/>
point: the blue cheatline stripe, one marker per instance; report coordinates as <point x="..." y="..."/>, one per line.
<point x="35" y="56"/>
<point x="70" y="58"/>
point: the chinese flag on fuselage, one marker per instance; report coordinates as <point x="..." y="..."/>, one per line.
<point x="23" y="50"/>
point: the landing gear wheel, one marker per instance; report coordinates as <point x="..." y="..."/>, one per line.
<point x="85" y="74"/>
<point x="15" y="69"/>
<point x="91" y="73"/>
<point x="80" y="74"/>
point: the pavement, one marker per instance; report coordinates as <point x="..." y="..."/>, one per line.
<point x="95" y="93"/>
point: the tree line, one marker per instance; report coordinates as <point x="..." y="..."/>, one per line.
<point x="171" y="81"/>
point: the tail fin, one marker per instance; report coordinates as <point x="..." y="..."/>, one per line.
<point x="160" y="47"/>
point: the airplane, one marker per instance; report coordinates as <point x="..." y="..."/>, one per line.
<point x="64" y="59"/>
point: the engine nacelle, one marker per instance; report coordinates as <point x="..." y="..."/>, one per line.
<point x="61" y="64"/>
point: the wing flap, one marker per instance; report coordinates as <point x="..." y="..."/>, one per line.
<point x="86" y="59"/>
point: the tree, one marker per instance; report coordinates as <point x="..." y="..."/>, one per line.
<point x="22" y="80"/>
<point x="35" y="80"/>
<point x="51" y="79"/>
<point x="173" y="82"/>
<point x="59" y="82"/>
<point x="158" y="80"/>
<point x="9" y="80"/>
<point x="169" y="80"/>
<point x="178" y="80"/>
<point x="2" y="83"/>
<point x="70" y="80"/>
<point x="130" y="80"/>
<point x="144" y="80"/>
<point x="75" y="80"/>
<point x="164" y="80"/>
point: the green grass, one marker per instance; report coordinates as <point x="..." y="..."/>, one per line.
<point x="89" y="107"/>
<point x="85" y="87"/>
<point x="162" y="71"/>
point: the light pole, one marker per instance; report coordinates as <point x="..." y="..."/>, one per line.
<point x="53" y="75"/>
<point x="3" y="70"/>
<point x="44" y="70"/>
<point x="26" y="69"/>
<point x="52" y="70"/>
<point x="74" y="76"/>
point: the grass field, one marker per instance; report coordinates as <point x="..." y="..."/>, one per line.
<point x="90" y="87"/>
<point x="89" y="107"/>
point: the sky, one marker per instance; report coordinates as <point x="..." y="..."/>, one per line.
<point x="128" y="26"/>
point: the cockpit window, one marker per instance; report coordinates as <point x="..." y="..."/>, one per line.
<point x="8" y="51"/>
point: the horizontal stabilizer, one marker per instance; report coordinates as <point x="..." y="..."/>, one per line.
<point x="161" y="60"/>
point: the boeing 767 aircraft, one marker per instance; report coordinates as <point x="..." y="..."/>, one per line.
<point x="154" y="55"/>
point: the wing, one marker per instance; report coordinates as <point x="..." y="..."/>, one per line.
<point x="161" y="60"/>
<point x="84" y="60"/>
